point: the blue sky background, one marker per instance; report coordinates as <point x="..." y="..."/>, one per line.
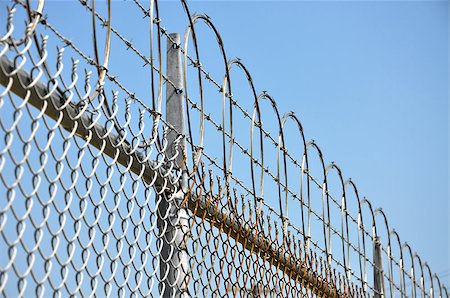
<point x="368" y="79"/>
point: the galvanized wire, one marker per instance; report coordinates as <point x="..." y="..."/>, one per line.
<point x="90" y="191"/>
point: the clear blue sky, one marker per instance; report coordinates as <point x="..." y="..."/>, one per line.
<point x="369" y="80"/>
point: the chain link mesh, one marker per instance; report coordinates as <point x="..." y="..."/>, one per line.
<point x="95" y="200"/>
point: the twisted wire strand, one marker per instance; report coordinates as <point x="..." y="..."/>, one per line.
<point x="280" y="145"/>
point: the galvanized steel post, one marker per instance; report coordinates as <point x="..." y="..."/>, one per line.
<point x="172" y="219"/>
<point x="378" y="280"/>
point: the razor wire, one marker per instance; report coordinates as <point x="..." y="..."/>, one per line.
<point x="95" y="157"/>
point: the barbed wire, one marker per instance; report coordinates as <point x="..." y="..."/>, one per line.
<point x="359" y="276"/>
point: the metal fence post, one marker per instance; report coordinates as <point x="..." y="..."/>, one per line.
<point x="378" y="280"/>
<point x="173" y="220"/>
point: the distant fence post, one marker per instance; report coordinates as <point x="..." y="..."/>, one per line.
<point x="173" y="220"/>
<point x="378" y="269"/>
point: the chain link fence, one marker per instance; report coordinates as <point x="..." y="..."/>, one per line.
<point x="105" y="195"/>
